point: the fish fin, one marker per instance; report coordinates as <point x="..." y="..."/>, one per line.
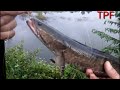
<point x="53" y="61"/>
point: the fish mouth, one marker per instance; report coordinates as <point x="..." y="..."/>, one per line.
<point x="32" y="26"/>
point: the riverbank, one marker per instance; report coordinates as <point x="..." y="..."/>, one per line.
<point x="22" y="64"/>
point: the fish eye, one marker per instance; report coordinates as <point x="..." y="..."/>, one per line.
<point x="39" y="23"/>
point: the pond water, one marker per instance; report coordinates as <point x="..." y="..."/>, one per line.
<point x="75" y="25"/>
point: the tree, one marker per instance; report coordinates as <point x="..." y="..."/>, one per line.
<point x="114" y="47"/>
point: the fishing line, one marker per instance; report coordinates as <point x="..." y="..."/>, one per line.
<point x="7" y="40"/>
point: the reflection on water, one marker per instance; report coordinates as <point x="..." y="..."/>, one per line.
<point x="75" y="25"/>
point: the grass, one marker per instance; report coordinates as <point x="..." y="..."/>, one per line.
<point x="40" y="15"/>
<point x="21" y="64"/>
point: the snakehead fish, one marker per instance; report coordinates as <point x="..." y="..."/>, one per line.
<point x="70" y="51"/>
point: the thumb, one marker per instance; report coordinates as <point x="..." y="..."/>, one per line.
<point x="112" y="73"/>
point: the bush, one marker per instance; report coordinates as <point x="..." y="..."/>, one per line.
<point x="40" y="15"/>
<point x="72" y="72"/>
<point x="24" y="65"/>
<point x="114" y="47"/>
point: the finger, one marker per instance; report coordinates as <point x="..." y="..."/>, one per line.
<point x="10" y="26"/>
<point x="7" y="35"/>
<point x="6" y="19"/>
<point x="14" y="13"/>
<point x="93" y="76"/>
<point x="112" y="73"/>
<point x="88" y="72"/>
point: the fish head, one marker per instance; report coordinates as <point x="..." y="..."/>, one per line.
<point x="34" y="25"/>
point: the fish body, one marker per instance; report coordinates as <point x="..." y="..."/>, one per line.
<point x="70" y="51"/>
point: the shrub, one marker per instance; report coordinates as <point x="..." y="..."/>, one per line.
<point x="22" y="64"/>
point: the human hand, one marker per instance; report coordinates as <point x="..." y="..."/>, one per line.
<point x="8" y="23"/>
<point x="111" y="72"/>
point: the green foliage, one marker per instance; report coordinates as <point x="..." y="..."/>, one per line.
<point x="106" y="36"/>
<point x="117" y="14"/>
<point x="24" y="65"/>
<point x="72" y="72"/>
<point x="113" y="48"/>
<point x="115" y="31"/>
<point x="40" y="15"/>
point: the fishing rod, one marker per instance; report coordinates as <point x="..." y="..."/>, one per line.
<point x="2" y="60"/>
